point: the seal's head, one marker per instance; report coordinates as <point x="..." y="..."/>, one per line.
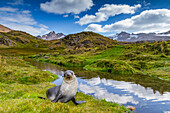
<point x="69" y="75"/>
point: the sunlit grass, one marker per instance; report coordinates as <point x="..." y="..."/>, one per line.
<point x="23" y="98"/>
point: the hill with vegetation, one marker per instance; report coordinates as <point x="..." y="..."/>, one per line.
<point x="82" y="42"/>
<point x="20" y="39"/>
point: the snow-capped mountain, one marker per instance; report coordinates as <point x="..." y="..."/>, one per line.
<point x="52" y="36"/>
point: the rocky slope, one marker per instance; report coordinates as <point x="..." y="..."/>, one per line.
<point x="52" y="36"/>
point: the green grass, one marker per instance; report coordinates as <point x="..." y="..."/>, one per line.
<point x="21" y="84"/>
<point x="23" y="98"/>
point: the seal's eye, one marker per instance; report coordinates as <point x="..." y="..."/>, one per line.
<point x="72" y="73"/>
<point x="64" y="75"/>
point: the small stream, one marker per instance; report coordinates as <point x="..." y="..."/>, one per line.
<point x="146" y="94"/>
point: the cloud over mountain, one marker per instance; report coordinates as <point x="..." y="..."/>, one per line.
<point x="147" y="21"/>
<point x="107" y="11"/>
<point x="66" y="6"/>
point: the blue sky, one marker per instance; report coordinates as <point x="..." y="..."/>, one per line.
<point x="106" y="17"/>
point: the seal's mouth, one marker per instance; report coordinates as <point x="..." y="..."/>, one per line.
<point x="68" y="77"/>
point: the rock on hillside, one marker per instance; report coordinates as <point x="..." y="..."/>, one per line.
<point x="4" y="29"/>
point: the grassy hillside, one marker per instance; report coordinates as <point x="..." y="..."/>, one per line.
<point x="82" y="42"/>
<point x="19" y="39"/>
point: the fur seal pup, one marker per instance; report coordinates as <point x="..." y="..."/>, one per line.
<point x="66" y="91"/>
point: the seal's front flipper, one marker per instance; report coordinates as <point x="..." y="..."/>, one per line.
<point x="77" y="102"/>
<point x="57" y="98"/>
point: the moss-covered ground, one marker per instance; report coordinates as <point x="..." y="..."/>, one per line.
<point x="21" y="84"/>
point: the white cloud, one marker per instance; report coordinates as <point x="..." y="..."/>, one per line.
<point x="27" y="28"/>
<point x="16" y="2"/>
<point x="65" y="16"/>
<point x="8" y="9"/>
<point x="18" y="17"/>
<point x="66" y="6"/>
<point x="148" y="21"/>
<point x="76" y="16"/>
<point x="95" y="28"/>
<point x="21" y="20"/>
<point x="146" y="3"/>
<point x="43" y="26"/>
<point x="26" y="11"/>
<point x="107" y="11"/>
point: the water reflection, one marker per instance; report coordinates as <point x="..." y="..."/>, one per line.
<point x="103" y="87"/>
<point x="147" y="94"/>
